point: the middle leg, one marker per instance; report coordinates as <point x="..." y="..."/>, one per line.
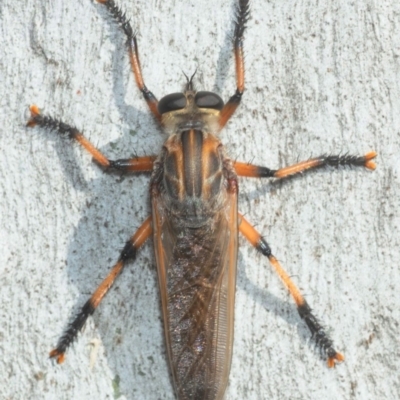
<point x="318" y="333"/>
<point x="138" y="164"/>
<point x="256" y="171"/>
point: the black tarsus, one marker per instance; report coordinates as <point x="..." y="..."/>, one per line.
<point x="54" y="124"/>
<point x="337" y="161"/>
<point x="57" y="125"/>
<point x="321" y="338"/>
<point x="74" y="328"/>
<point x="323" y="341"/>
<point x="120" y="17"/>
<point x="242" y="16"/>
<point x="129" y="252"/>
<point x="324" y="160"/>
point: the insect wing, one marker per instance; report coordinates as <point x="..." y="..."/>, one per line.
<point x="197" y="278"/>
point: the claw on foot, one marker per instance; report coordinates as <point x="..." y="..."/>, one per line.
<point x="34" y="109"/>
<point x="58" y="355"/>
<point x="368" y="157"/>
<point x="337" y="358"/>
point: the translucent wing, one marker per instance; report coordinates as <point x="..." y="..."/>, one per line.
<point x="197" y="277"/>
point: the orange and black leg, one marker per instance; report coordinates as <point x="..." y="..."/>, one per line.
<point x="255" y="171"/>
<point x="138" y="164"/>
<point x="240" y="25"/>
<point x="128" y="254"/>
<point x="318" y="333"/>
<point x="121" y="20"/>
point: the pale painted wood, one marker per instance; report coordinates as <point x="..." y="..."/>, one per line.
<point x="321" y="77"/>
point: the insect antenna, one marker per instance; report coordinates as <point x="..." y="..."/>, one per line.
<point x="189" y="82"/>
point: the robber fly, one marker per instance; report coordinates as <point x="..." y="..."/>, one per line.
<point x="195" y="224"/>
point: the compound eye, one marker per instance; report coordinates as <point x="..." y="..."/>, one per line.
<point x="208" y="100"/>
<point x="172" y="102"/>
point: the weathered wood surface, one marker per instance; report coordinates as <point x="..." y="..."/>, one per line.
<point x="321" y="77"/>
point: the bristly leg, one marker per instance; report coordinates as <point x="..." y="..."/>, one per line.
<point x="138" y="164"/>
<point x="323" y="341"/>
<point x="328" y="161"/>
<point x="120" y="18"/>
<point x="37" y="119"/>
<point x="324" y="161"/>
<point x="128" y="253"/>
<point x="131" y="247"/>
<point x="242" y="16"/>
<point x="321" y="338"/>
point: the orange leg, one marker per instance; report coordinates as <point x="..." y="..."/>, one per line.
<point x="138" y="164"/>
<point x="255" y="171"/>
<point x="240" y="24"/>
<point x="121" y="19"/>
<point x="317" y="331"/>
<point x="127" y="254"/>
